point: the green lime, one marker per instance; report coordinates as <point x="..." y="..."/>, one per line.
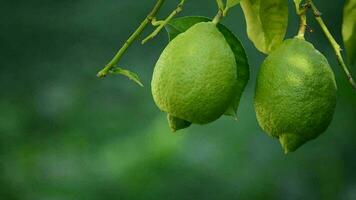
<point x="195" y="78"/>
<point x="295" y="94"/>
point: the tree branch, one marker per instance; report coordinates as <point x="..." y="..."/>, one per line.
<point x="332" y="41"/>
<point x="131" y="39"/>
<point x="165" y="22"/>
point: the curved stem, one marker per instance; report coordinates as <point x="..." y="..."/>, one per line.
<point x="131" y="39"/>
<point x="165" y="22"/>
<point x="334" y="44"/>
<point x="156" y="22"/>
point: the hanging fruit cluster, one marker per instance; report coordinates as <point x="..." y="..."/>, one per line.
<point x="202" y="73"/>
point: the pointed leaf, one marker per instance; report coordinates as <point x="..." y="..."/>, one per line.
<point x="131" y="75"/>
<point x="180" y="25"/>
<point x="243" y="72"/>
<point x="349" y="30"/>
<point x="266" y="21"/>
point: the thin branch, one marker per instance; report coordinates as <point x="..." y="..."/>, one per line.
<point x="334" y="44"/>
<point x="131" y="39"/>
<point x="165" y="22"/>
<point x="220" y="4"/>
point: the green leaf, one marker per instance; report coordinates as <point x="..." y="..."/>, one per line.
<point x="243" y="72"/>
<point x="349" y="30"/>
<point x="131" y="75"/>
<point x="180" y="25"/>
<point x="266" y="21"/>
<point x="232" y="3"/>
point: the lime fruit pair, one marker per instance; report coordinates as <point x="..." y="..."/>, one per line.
<point x="195" y="81"/>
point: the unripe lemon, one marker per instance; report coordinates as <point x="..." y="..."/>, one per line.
<point x="295" y="94"/>
<point x="195" y="78"/>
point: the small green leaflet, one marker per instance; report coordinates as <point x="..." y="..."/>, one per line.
<point x="180" y="25"/>
<point x="349" y="30"/>
<point x="266" y="21"/>
<point x="131" y="75"/>
<point x="231" y="3"/>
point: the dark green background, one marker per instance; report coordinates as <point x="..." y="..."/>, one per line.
<point x="64" y="134"/>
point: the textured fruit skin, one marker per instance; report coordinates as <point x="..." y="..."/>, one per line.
<point x="195" y="76"/>
<point x="295" y="94"/>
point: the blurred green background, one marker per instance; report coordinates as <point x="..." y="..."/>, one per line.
<point x="64" y="134"/>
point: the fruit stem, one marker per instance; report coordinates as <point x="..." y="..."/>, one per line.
<point x="218" y="16"/>
<point x="131" y="39"/>
<point x="163" y="23"/>
<point x="301" y="12"/>
<point x="333" y="43"/>
<point x="220" y="13"/>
